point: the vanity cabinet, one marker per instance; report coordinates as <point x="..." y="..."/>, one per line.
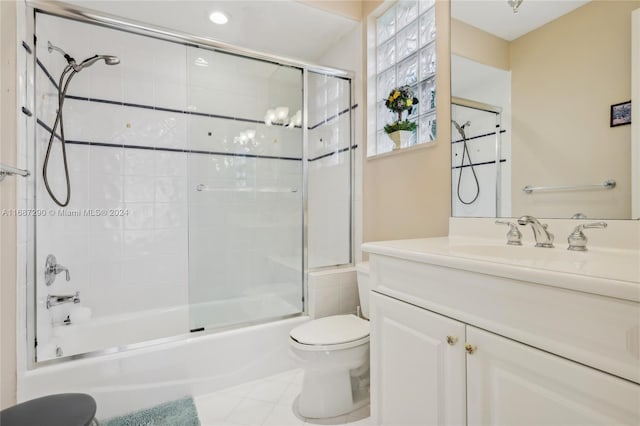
<point x="535" y="355"/>
<point x="417" y="377"/>
<point x="509" y="383"/>
<point x="427" y="369"/>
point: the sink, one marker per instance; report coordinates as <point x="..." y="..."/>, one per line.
<point x="503" y="251"/>
<point x="621" y="265"/>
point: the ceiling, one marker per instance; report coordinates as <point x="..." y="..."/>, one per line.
<point x="497" y="17"/>
<point x="281" y="27"/>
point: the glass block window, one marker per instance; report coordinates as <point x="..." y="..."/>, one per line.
<point x="406" y="54"/>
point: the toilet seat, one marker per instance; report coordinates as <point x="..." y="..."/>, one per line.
<point x="331" y="333"/>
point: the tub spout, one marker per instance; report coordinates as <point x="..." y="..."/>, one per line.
<point x="53" y="300"/>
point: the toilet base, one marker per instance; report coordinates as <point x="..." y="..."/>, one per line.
<point x="358" y="404"/>
<point x="327" y="394"/>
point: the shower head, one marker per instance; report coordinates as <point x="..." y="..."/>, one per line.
<point x="108" y="59"/>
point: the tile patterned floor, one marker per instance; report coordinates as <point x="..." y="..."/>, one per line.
<point x="265" y="402"/>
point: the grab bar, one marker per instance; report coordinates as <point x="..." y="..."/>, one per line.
<point x="202" y="187"/>
<point x="607" y="184"/>
<point x="10" y="171"/>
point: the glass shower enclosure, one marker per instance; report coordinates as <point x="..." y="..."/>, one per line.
<point x="205" y="183"/>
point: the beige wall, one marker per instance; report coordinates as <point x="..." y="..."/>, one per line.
<point x="480" y="46"/>
<point x="8" y="244"/>
<point x="407" y="194"/>
<point x="565" y="77"/>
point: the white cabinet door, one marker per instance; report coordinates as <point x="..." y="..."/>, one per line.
<point x="417" y="378"/>
<point x="509" y="383"/>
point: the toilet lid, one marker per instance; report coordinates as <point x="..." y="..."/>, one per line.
<point x="331" y="330"/>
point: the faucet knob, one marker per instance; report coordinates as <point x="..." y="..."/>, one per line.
<point x="514" y="236"/>
<point x="577" y="240"/>
<point x="52" y="268"/>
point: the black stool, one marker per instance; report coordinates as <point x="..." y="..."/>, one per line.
<point x="65" y="409"/>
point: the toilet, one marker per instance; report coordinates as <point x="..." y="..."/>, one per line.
<point x="334" y="354"/>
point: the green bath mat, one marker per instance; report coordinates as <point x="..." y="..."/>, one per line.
<point x="181" y="412"/>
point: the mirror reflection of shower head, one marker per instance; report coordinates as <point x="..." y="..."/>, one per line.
<point x="465" y="151"/>
<point x="460" y="128"/>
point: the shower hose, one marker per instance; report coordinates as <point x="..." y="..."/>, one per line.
<point x="465" y="150"/>
<point x="62" y="91"/>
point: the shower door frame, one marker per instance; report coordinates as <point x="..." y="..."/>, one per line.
<point x="136" y="27"/>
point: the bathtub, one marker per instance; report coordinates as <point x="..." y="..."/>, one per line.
<point x="104" y="333"/>
<point x="130" y="380"/>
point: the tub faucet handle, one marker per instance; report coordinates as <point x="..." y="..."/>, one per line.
<point x="514" y="236"/>
<point x="53" y="268"/>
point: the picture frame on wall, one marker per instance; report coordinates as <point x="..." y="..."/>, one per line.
<point x="620" y="114"/>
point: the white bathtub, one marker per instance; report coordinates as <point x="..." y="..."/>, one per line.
<point x="138" y="378"/>
<point x="103" y="333"/>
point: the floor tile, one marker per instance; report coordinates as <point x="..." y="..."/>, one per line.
<point x="268" y="391"/>
<point x="290" y="394"/>
<point x="282" y="416"/>
<point x="266" y="402"/>
<point x="216" y="406"/>
<point x="250" y="412"/>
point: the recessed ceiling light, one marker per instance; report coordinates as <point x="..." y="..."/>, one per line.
<point x="219" y="18"/>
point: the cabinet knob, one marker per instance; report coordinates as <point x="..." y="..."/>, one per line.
<point x="452" y="340"/>
<point x="471" y="349"/>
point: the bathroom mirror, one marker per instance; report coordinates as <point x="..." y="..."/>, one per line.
<point x="546" y="91"/>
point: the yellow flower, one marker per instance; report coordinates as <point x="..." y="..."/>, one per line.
<point x="390" y="98"/>
<point x="396" y="94"/>
<point x="409" y="102"/>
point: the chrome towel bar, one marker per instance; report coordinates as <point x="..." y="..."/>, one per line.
<point x="607" y="184"/>
<point x="10" y="171"/>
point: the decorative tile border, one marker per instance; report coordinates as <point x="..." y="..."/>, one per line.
<point x="190" y="151"/>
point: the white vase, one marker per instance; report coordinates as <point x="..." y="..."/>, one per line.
<point x="401" y="138"/>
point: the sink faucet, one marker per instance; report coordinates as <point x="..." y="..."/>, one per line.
<point x="543" y="237"/>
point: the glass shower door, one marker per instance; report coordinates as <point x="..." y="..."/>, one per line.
<point x="245" y="176"/>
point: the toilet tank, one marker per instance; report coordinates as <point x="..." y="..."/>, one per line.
<point x="364" y="285"/>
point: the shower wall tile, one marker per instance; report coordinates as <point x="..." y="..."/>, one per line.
<point x="240" y="244"/>
<point x="146" y="249"/>
<point x="139" y="189"/>
<point x="140" y="216"/>
<point x="329" y="197"/>
<point x="332" y="292"/>
<point x="170" y="164"/>
<point x="139" y="162"/>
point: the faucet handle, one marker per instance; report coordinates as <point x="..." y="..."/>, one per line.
<point x="53" y="268"/>
<point x="514" y="236"/>
<point x="577" y="240"/>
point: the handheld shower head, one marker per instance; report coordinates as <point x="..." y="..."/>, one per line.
<point x="108" y="59"/>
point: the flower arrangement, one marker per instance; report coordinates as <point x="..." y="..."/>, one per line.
<point x="401" y="99"/>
